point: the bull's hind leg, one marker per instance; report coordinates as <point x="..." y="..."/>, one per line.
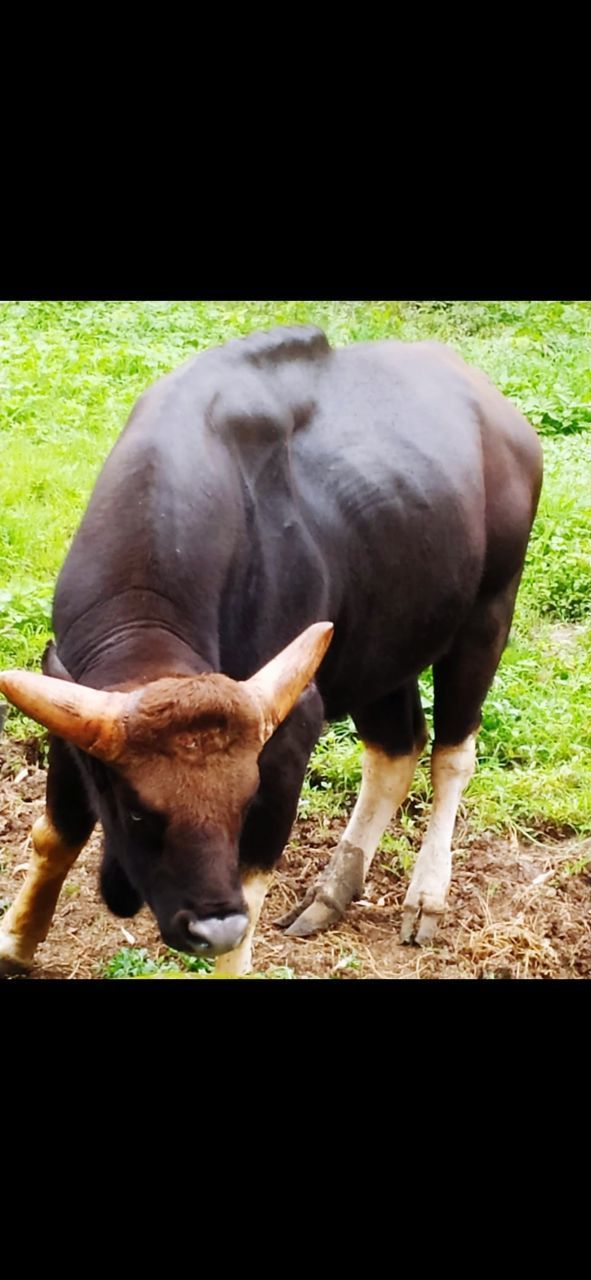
<point x="394" y="734"/>
<point x="57" y="837"/>
<point x="462" y="680"/>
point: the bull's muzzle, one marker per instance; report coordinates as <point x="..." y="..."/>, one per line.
<point x="209" y="937"/>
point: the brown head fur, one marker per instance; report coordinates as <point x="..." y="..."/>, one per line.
<point x="191" y="750"/>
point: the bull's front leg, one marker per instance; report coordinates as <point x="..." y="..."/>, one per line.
<point x="237" y="963"/>
<point x="385" y="785"/>
<point x="451" y="770"/>
<point x="57" y="838"/>
<point x="268" y="824"/>
<point x="27" y="921"/>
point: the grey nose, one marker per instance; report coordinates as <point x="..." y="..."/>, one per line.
<point x="214" y="936"/>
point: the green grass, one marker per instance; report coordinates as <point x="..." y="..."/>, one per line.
<point x="135" y="962"/>
<point x="69" y="375"/>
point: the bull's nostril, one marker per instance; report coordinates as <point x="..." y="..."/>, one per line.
<point x="196" y="941"/>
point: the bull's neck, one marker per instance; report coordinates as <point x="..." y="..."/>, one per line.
<point x="139" y="655"/>
<point x="130" y="641"/>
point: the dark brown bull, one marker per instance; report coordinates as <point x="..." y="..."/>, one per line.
<point x="260" y="488"/>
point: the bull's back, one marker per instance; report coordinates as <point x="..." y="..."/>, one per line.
<point x="393" y="477"/>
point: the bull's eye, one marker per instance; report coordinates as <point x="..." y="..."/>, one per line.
<point x="135" y="817"/>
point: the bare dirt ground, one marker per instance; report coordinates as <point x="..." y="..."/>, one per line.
<point x="515" y="910"/>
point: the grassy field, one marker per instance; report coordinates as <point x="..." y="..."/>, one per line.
<point x="70" y="373"/>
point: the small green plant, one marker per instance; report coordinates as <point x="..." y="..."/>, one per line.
<point x="135" y="962"/>
<point x="334" y="773"/>
<point x="397" y="854"/>
<point x="193" y="964"/>
<point x="575" y="867"/>
<point x="347" y="960"/>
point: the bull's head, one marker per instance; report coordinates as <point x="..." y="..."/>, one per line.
<point x="178" y="772"/>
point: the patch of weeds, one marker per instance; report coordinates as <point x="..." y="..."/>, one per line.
<point x="400" y="852"/>
<point x="348" y="961"/>
<point x="193" y="964"/>
<point x="135" y="962"/>
<point x="575" y="867"/>
<point x="334" y="772"/>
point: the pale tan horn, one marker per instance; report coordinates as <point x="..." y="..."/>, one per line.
<point x="278" y="685"/>
<point x="91" y="719"/>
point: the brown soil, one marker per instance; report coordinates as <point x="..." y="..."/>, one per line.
<point x="515" y="910"/>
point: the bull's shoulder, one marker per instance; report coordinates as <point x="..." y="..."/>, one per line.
<point x="283" y="344"/>
<point x="268" y="384"/>
<point x="253" y="389"/>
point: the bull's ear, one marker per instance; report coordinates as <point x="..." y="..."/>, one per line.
<point x="91" y="719"/>
<point x="278" y="685"/>
<point x="52" y="666"/>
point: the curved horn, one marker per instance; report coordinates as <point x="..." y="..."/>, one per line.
<point x="91" y="719"/>
<point x="278" y="685"/>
